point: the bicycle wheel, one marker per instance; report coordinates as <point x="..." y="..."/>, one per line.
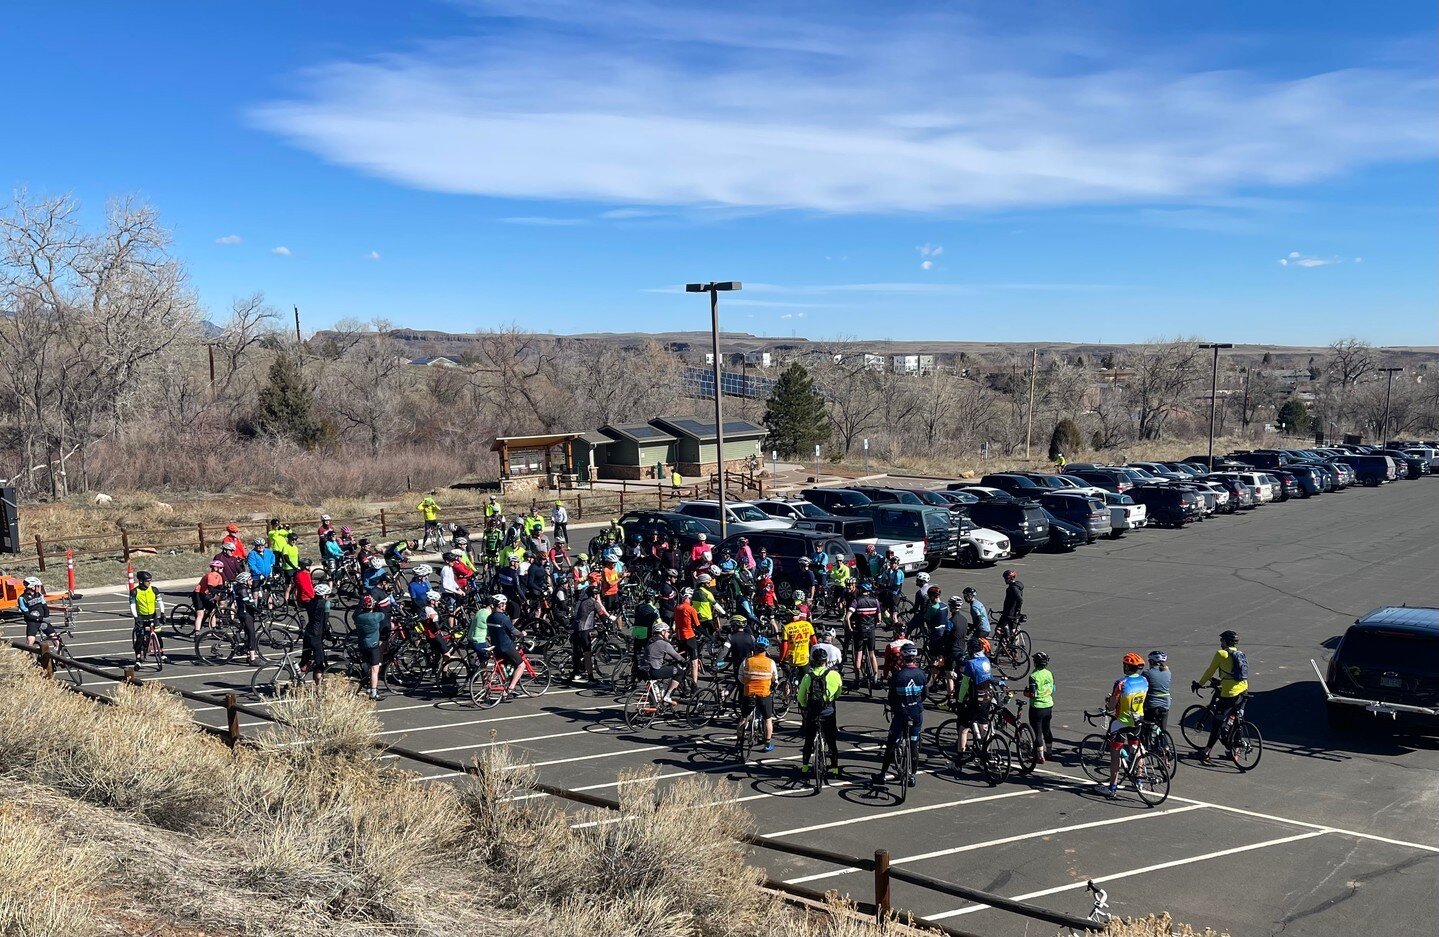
<point x="1151" y="780"/>
<point x="484" y="691"/>
<point x="182" y="620"/>
<point x="607" y="653"/>
<point x="622" y="676"/>
<point x="152" y="655"/>
<point x="561" y="658"/>
<point x="406" y="669"/>
<point x="1013" y="660"/>
<point x="902" y="766"/>
<point x="273" y="681"/>
<point x="1162" y="746"/>
<point x="214" y="646"/>
<point x="744" y="739"/>
<point x="946" y="737"/>
<point x="453" y="677"/>
<point x="995" y="760"/>
<point x="536" y="677"/>
<point x="1026" y="752"/>
<point x="1246" y="745"/>
<point x="820" y="763"/>
<point x="641" y="707"/>
<point x="1094" y="756"/>
<point x="275" y="642"/>
<point x="704" y="706"/>
<point x="1196" y="724"/>
<point x="783" y="698"/>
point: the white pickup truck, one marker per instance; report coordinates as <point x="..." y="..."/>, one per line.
<point x="859" y="533"/>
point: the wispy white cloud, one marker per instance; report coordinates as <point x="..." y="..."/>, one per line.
<point x="926" y="265"/>
<point x="229" y="239"/>
<point x="930" y="250"/>
<point x="626" y="214"/>
<point x="915" y="112"/>
<point x="373" y="255"/>
<point x="545" y="221"/>
<point x="281" y="251"/>
<point x="1296" y="259"/>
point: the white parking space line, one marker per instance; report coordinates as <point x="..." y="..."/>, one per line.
<point x="476" y="722"/>
<point x="970" y="847"/>
<point x="1100" y="879"/>
<point x="1026" y="792"/>
<point x="491" y="744"/>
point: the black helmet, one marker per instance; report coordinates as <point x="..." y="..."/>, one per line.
<point x="908" y="652"/>
<point x="143" y="576"/>
<point x="976" y="646"/>
<point x="1041" y="659"/>
<point x="968" y="591"/>
<point x="1229" y="638"/>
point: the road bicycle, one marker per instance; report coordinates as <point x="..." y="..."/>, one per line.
<point x="490" y="683"/>
<point x="1009" y="648"/>
<point x="1026" y="746"/>
<point x="1241" y="739"/>
<point x="988" y="746"/>
<point x="1161" y="743"/>
<point x="645" y="705"/>
<point x="151" y="652"/>
<point x="1138" y="767"/>
<point x="227" y="642"/>
<point x="56" y="638"/>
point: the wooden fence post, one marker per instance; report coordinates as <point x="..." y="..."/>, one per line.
<point x="622" y="499"/>
<point x="47" y="662"/>
<point x="200" y="532"/>
<point x="384" y="529"/>
<point x="232" y="721"/>
<point x="660" y="496"/>
<point x="39" y="553"/>
<point x="125" y="544"/>
<point x="130" y="676"/>
<point x="579" y="505"/>
<point x="881" y="883"/>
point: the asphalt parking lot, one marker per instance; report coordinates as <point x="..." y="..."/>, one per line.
<point x="1329" y="835"/>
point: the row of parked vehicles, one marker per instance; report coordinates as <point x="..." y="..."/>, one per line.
<point x="972" y="524"/>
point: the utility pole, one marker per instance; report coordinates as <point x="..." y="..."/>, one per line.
<point x="298" y="339"/>
<point x="1029" y="420"/>
<point x="714" y="290"/>
<point x="211" y="349"/>
<point x="1244" y="411"/>
<point x="1214" y="394"/>
<point x="1389" y="386"/>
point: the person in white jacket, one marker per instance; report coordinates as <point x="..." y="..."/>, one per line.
<point x="560" y="520"/>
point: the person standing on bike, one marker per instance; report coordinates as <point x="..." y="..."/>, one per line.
<point x="860" y="620"/>
<point x="1126" y="710"/>
<point x="504" y="638"/>
<point x="1013" y="598"/>
<point x="1230" y="664"/>
<point x="757" y="674"/>
<point x="907" y="689"/>
<point x="973" y="695"/>
<point x="1041" y="706"/>
<point x="646" y="618"/>
<point x="705" y="605"/>
<point x="1157" y="700"/>
<point x="819" y="688"/>
<point x="147" y="610"/>
<point x="317" y="611"/>
<point x="369" y="623"/>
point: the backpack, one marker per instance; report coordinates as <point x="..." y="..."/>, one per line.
<point x="1239" y="666"/>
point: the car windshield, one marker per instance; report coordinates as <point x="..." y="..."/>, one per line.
<point x="1116" y="498"/>
<point x="1390" y="651"/>
<point x="687" y="525"/>
<point x="748" y="513"/>
<point x="929" y="497"/>
<point x="805" y="509"/>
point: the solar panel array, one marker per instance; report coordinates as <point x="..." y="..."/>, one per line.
<point x="700" y="382"/>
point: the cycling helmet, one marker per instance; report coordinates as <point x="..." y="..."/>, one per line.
<point x="1133" y="660"/>
<point x="1041" y="659"/>
<point x="325" y="517"/>
<point x="500" y="599"/>
<point x="829" y="634"/>
<point x="955" y="601"/>
<point x="687" y="592"/>
<point x="1229" y="638"/>
<point x="244" y="577"/>
<point x="975" y="647"/>
<point x="377" y="562"/>
<point x="462" y="541"/>
<point x="672" y="574"/>
<point x="933" y="592"/>
<point x="367" y="601"/>
<point x="228" y="546"/>
<point x="921" y="578"/>
<point x="215" y="564"/>
<point x="433" y="598"/>
<point x="804" y="561"/>
<point x="908" y="652"/>
<point x="423" y="570"/>
<point x="613" y="553"/>
<point x="1158" y="657"/>
<point x="703" y="578"/>
<point x="232" y="528"/>
<point x="322" y="589"/>
<point x="582" y="557"/>
<point x="704" y="538"/>
<point x="761" y="642"/>
<point x="259" y="543"/>
<point x="450" y="555"/>
<point x="818" y="655"/>
<point x="141" y="576"/>
<point x="637" y="540"/>
<point x="968" y="591"/>
<point x="33" y="583"/>
<point x="866" y="587"/>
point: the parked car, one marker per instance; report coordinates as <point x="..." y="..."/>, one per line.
<point x="1090" y="514"/>
<point x="1287" y="486"/>
<point x="790" y="509"/>
<point x="1262" y="484"/>
<point x="1309" y="478"/>
<point x="1169" y="506"/>
<point x="1426" y="453"/>
<point x="1390" y="655"/>
<point x="1110" y="479"/>
<point x="1243" y="496"/>
<point x="1023" y="522"/>
<point x="1064" y="535"/>
<point x="837" y="500"/>
<point x="1413" y="465"/>
<point x="786" y="547"/>
<point x="1371" y="471"/>
<point x="1017" y="485"/>
<point x="1159" y="469"/>
<point x="915" y="523"/>
<point x="1208" y="500"/>
<point x="1224" y="502"/>
<point x="980" y="546"/>
<point x="681" y="530"/>
<point x="981" y="492"/>
<point x="1261" y="460"/>
<point x="880" y="495"/>
<point x="1124" y="514"/>
<point x="860" y="534"/>
<point x="741" y="517"/>
<point x="1079" y="485"/>
<point x="958" y="498"/>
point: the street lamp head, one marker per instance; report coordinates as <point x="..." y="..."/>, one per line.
<point x="724" y="286"/>
<point x="1217" y="345"/>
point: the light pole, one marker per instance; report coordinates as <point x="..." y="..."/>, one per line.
<point x="1384" y="425"/>
<point x="1214" y="393"/>
<point x="714" y="289"/>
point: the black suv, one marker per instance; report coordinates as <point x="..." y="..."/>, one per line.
<point x="1107" y="478"/>
<point x="786" y="547"/>
<point x="1015" y="484"/>
<point x="1410" y="464"/>
<point x="1390" y="655"/>
<point x="1023" y="522"/>
<point x="1169" y="506"/>
<point x="837" y="500"/>
<point x="681" y="530"/>
<point x="887" y="495"/>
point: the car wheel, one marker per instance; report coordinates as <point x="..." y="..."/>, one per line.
<point x="968" y="557"/>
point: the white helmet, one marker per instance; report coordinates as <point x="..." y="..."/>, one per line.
<point x="325" y="517"/>
<point x="921" y="577"/>
<point x="422" y="570"/>
<point x="377" y="562"/>
<point x="461" y="541"/>
<point x="33" y="583"/>
<point x="322" y="589"/>
<point x="243" y="577"/>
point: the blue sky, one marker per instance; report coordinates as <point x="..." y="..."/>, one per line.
<point x="967" y="171"/>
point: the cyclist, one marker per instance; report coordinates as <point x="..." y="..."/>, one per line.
<point x="646" y="617"/>
<point x="921" y="592"/>
<point x="663" y="661"/>
<point x="369" y="623"/>
<point x="1232" y="668"/>
<point x="739" y="644"/>
<point x="687" y="625"/>
<point x="974" y="695"/>
<point x="504" y="638"/>
<point x="830" y="642"/>
<point x="260" y="561"/>
<point x="891" y="587"/>
<point x="907" y="689"/>
<point x="207" y="593"/>
<point x="893" y="651"/>
<point x="493" y="509"/>
<point x="1041" y="706"/>
<point x="1013" y="598"/>
<point x="805" y="582"/>
<point x="860" y="620"/>
<point x="668" y="595"/>
<point x="744" y="555"/>
<point x="840" y="577"/>
<point x="246" y="611"/>
<point x="147" y="609"/>
<point x="1157" y="700"/>
<point x="477" y="636"/>
<point x="757" y="674"/>
<point x="330" y="552"/>
<point x="704" y="602"/>
<point x="312" y="656"/>
<point x="33" y="608"/>
<point x="818" y="689"/>
<point x="397" y="554"/>
<point x="230" y="562"/>
<point x="1126" y="709"/>
<point x="278" y="534"/>
<point x="795" y="647"/>
<point x="700" y="552"/>
<point x="419" y="589"/>
<point x="871" y="564"/>
<point x="233" y="538"/>
<point x="764" y="565"/>
<point x="429" y="510"/>
<point x="978" y="614"/>
<point x="582" y="633"/>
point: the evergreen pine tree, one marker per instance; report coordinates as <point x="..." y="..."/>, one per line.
<point x="287" y="404"/>
<point x="794" y="414"/>
<point x="1295" y="417"/>
<point x="1065" y="439"/>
